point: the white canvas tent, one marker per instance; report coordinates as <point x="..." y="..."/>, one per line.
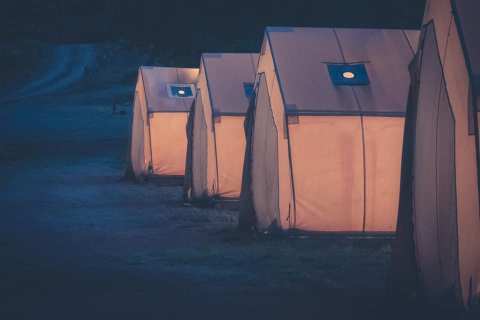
<point x="325" y="132"/>
<point x="216" y="134"/>
<point x="438" y="247"/>
<point x="163" y="97"/>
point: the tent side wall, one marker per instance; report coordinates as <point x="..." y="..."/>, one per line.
<point x="264" y="166"/>
<point x="285" y="193"/>
<point x="458" y="87"/>
<point x="199" y="139"/>
<point x="433" y="185"/>
<point x="211" y="174"/>
<point x="140" y="144"/>
<point x="230" y="142"/>
<point x="137" y="142"/>
<point x="168" y="142"/>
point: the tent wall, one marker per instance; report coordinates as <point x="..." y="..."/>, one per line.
<point x="230" y="141"/>
<point x="328" y="173"/>
<point x="158" y="138"/>
<point x="443" y="183"/>
<point x="431" y="159"/>
<point x="223" y="132"/>
<point x="383" y="138"/>
<point x="345" y="170"/>
<point x="210" y="183"/>
<point x="458" y="87"/>
<point x="168" y="142"/>
<point x="357" y="179"/>
<point x="264" y="166"/>
<point x="140" y="144"/>
<point x="199" y="139"/>
<point x="137" y="143"/>
<point x="285" y="194"/>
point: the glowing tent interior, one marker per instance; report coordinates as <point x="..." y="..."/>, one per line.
<point x="325" y="130"/>
<point x="163" y="97"/>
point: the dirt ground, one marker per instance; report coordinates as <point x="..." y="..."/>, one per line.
<point x="79" y="242"/>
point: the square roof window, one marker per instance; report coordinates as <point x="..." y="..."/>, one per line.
<point x="348" y="74"/>
<point x="180" y="90"/>
<point x="248" y="89"/>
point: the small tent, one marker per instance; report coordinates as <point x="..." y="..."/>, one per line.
<point x="438" y="244"/>
<point x="158" y="143"/>
<point x="325" y="130"/>
<point x="216" y="134"/>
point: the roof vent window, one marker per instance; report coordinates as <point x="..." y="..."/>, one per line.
<point x="348" y="74"/>
<point x="180" y="90"/>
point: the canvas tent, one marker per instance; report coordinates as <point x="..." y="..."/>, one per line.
<point x="438" y="246"/>
<point x="325" y="130"/>
<point x="163" y="97"/>
<point x="216" y="135"/>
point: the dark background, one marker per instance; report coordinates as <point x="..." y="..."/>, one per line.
<point x="192" y="27"/>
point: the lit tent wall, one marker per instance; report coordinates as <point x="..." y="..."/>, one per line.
<point x="163" y="97"/>
<point x="438" y="247"/>
<point x="216" y="133"/>
<point x="325" y="130"/>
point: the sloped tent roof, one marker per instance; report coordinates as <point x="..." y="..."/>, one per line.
<point x="384" y="53"/>
<point x="466" y="15"/>
<point x="156" y="81"/>
<point x="227" y="74"/>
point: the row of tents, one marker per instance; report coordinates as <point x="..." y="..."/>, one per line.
<point x="335" y="130"/>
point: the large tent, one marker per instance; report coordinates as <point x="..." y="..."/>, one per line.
<point x="438" y="247"/>
<point x="163" y="97"/>
<point x="325" y="130"/>
<point x="216" y="134"/>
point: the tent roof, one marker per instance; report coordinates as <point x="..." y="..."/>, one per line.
<point x="466" y="14"/>
<point x="226" y="74"/>
<point x="155" y="81"/>
<point x="302" y="56"/>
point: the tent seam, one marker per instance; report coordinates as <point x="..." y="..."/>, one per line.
<point x="362" y="125"/>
